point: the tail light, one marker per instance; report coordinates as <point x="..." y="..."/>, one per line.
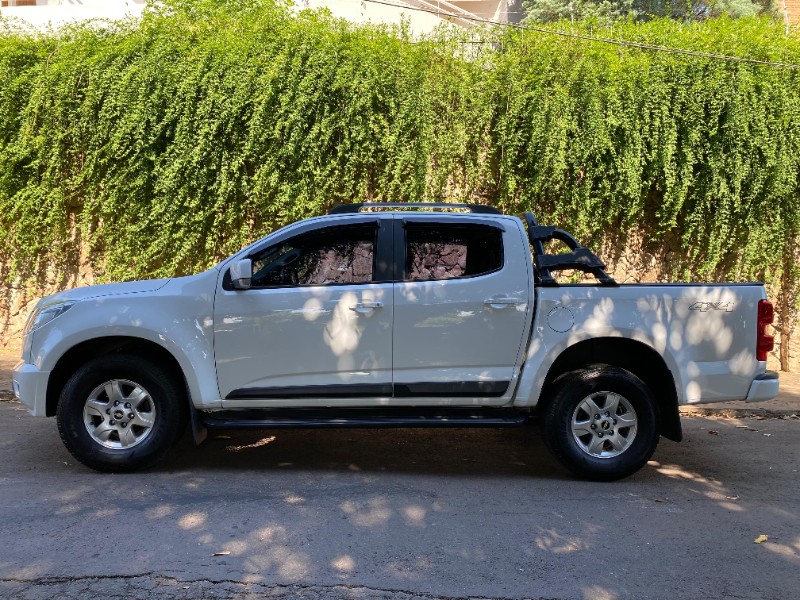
<point x="764" y="342"/>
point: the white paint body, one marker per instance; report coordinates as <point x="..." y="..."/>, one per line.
<point x="434" y="331"/>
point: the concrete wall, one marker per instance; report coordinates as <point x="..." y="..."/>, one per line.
<point x="496" y="10"/>
<point x="44" y="13"/>
<point x="359" y="11"/>
<point x="421" y="15"/>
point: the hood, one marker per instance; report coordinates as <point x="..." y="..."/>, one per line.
<point x="106" y="289"/>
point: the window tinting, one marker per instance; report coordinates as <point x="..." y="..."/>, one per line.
<point x="341" y="255"/>
<point x="447" y="251"/>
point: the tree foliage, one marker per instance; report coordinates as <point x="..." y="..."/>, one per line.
<point x="548" y="11"/>
<point x="174" y="141"/>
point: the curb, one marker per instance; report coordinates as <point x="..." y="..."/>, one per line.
<point x="740" y="413"/>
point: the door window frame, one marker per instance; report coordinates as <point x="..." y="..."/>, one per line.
<point x="383" y="256"/>
<point x="400" y="262"/>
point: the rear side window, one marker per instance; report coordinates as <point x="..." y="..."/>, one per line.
<point x="444" y="251"/>
<point x="339" y="255"/>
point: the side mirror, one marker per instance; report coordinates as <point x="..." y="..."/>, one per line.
<point x="242" y="274"/>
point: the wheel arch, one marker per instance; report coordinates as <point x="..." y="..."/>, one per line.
<point x="634" y="356"/>
<point x="82" y="352"/>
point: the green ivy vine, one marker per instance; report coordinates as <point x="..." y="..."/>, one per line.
<point x="172" y="141"/>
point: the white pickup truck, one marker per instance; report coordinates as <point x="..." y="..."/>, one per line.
<point x="393" y="318"/>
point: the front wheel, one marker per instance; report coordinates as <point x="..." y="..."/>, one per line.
<point x="601" y="422"/>
<point x="120" y="413"/>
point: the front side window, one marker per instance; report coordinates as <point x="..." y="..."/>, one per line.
<point x="331" y="256"/>
<point x="445" y="251"/>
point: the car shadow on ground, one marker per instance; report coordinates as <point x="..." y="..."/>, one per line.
<point x="518" y="451"/>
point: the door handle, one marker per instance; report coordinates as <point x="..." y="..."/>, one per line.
<point x="501" y="301"/>
<point x="365" y="307"/>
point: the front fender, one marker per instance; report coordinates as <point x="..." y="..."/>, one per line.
<point x="179" y="318"/>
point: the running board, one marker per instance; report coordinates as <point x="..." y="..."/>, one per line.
<point x="314" y="418"/>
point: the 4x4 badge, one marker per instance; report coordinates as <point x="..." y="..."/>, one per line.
<point x="706" y="306"/>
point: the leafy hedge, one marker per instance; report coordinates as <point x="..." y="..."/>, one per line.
<point x="173" y="141"/>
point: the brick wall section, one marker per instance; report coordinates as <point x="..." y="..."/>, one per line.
<point x="791" y="8"/>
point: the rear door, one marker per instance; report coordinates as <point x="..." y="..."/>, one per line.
<point x="460" y="309"/>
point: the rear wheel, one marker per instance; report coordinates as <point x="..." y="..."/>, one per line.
<point x="601" y="422"/>
<point x="121" y="413"/>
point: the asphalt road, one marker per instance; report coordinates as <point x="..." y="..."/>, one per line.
<point x="408" y="514"/>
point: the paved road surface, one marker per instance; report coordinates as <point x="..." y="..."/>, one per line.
<point x="404" y="514"/>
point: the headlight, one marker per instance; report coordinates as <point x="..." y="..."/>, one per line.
<point x="43" y="315"/>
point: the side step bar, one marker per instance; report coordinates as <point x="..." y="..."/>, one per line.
<point x="308" y="418"/>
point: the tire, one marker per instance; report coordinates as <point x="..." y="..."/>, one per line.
<point x="120" y="413"/>
<point x="601" y="423"/>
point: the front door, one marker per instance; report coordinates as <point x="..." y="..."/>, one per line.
<point x="315" y="328"/>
